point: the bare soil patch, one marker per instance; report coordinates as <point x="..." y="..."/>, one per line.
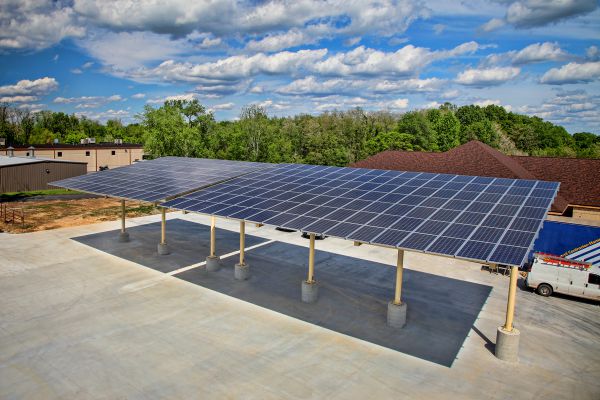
<point x="53" y="214"/>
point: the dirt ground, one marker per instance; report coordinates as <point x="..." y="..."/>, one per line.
<point x="52" y="214"/>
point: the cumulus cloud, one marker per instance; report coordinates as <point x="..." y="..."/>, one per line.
<point x="224" y="106"/>
<point x="292" y="38"/>
<point x="41" y="23"/>
<point x="185" y="97"/>
<point x="525" y="14"/>
<point x="18" y="99"/>
<point x="572" y="73"/>
<point x="105" y="115"/>
<point x="487" y="76"/>
<point x="125" y="50"/>
<point x="36" y="87"/>
<point x="88" y="101"/>
<point x="27" y="24"/>
<point x="575" y="107"/>
<point x="138" y="96"/>
<point x="534" y="53"/>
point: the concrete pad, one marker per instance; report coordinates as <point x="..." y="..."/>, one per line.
<point x="190" y="243"/>
<point x="353" y="297"/>
<point x="78" y="323"/>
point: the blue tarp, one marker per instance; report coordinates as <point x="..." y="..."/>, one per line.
<point x="559" y="237"/>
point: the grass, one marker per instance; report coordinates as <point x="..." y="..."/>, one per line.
<point x="33" y="193"/>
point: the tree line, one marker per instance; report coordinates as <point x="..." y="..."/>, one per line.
<point x="187" y="128"/>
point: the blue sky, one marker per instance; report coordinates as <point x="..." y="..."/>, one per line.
<point x="108" y="59"/>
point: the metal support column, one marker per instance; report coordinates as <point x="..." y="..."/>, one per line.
<point x="242" y="270"/>
<point x="311" y="260"/>
<point x="242" y="241"/>
<point x="123" y="235"/>
<point x="309" y="286"/>
<point x="212" y="261"/>
<point x="396" y="311"/>
<point x="510" y="305"/>
<point x="163" y="248"/>
<point x="399" y="270"/>
<point x="213" y="245"/>
<point x="507" y="336"/>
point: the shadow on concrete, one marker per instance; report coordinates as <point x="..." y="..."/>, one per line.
<point x="353" y="293"/>
<point x="489" y="345"/>
<point x="353" y="296"/>
<point x="189" y="243"/>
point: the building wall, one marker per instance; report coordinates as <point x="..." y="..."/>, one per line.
<point x="586" y="213"/>
<point x="26" y="177"/>
<point x="94" y="157"/>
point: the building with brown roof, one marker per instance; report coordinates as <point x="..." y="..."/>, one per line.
<point x="579" y="194"/>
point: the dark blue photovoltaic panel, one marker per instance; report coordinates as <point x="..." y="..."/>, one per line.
<point x="469" y="217"/>
<point x="445" y="245"/>
<point x="509" y="255"/>
<point x="159" y="179"/>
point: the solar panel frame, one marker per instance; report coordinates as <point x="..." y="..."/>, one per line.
<point x="161" y="179"/>
<point x="406" y="210"/>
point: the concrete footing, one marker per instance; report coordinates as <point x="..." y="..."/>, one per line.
<point x="123" y="237"/>
<point x="310" y="292"/>
<point x="241" y="272"/>
<point x="396" y="315"/>
<point x="163" y="249"/>
<point x="212" y="263"/>
<point x="507" y="344"/>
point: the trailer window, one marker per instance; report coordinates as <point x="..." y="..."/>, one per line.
<point x="594" y="279"/>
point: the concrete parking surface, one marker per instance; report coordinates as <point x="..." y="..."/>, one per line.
<point x="83" y="316"/>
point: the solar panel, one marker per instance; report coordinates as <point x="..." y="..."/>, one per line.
<point x="477" y="218"/>
<point x="159" y="179"/>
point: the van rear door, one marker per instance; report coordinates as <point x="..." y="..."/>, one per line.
<point x="592" y="287"/>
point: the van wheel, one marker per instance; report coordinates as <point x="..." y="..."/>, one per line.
<point x="544" y="289"/>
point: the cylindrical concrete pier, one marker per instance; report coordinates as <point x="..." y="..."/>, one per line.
<point x="310" y="291"/>
<point x="241" y="272"/>
<point x="507" y="344"/>
<point x="396" y="315"/>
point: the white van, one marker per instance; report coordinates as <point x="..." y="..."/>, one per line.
<point x="549" y="274"/>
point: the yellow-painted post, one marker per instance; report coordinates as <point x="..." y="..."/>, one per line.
<point x="163" y="226"/>
<point x="242" y="241"/>
<point x="311" y="260"/>
<point x="512" y="292"/>
<point x="122" y="216"/>
<point x="399" y="270"/>
<point x="213" y="222"/>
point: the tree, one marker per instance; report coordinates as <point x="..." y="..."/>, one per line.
<point x="172" y="132"/>
<point x="483" y="131"/>
<point x="416" y="124"/>
<point x="254" y="123"/>
<point x="446" y="127"/>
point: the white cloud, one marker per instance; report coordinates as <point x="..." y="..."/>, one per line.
<point x="534" y="53"/>
<point x="525" y="14"/>
<point x="450" y="94"/>
<point x="405" y="61"/>
<point x="125" y="50"/>
<point x="487" y="76"/>
<point x="539" y="52"/>
<point x="28" y="87"/>
<point x="105" y="115"/>
<point x="138" y="96"/>
<point x="224" y="106"/>
<point x="17" y="99"/>
<point x="76" y="71"/>
<point x="492" y="25"/>
<point x="292" y="38"/>
<point x="592" y="53"/>
<point x="36" y="24"/>
<point x="88" y="101"/>
<point x="399" y="104"/>
<point x="572" y="73"/>
<point x="438" y="29"/>
<point x="185" y="97"/>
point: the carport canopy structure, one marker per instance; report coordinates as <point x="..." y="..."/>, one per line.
<point x="158" y="180"/>
<point x="489" y="220"/>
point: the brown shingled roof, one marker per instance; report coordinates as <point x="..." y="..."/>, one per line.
<point x="578" y="177"/>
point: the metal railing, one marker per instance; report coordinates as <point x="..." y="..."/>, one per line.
<point x="12" y="215"/>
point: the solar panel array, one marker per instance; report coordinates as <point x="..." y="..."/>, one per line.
<point x="493" y="220"/>
<point x="159" y="179"/>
